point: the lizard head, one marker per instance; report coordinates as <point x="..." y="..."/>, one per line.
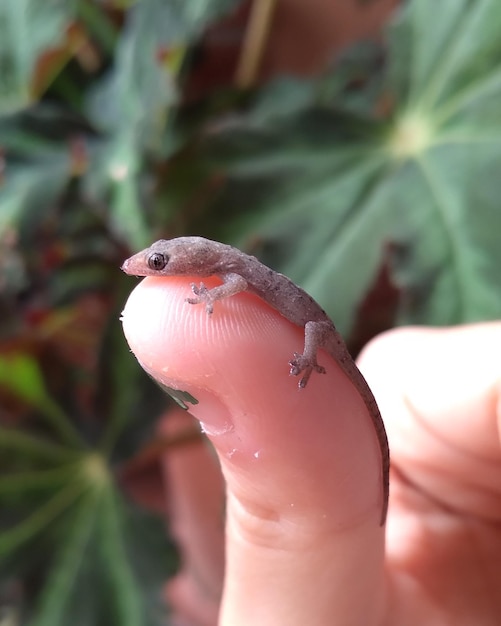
<point x="183" y="256"/>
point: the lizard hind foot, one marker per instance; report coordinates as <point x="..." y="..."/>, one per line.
<point x="301" y="363"/>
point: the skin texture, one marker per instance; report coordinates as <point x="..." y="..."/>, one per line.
<point x="323" y="561"/>
<point x="301" y="468"/>
<point x="196" y="256"/>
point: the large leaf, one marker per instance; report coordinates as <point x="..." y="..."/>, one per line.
<point x="94" y="556"/>
<point x="27" y="29"/>
<point x="30" y="189"/>
<point x="342" y="191"/>
<point x="134" y="103"/>
<point x="101" y="560"/>
<point x="21" y="376"/>
<point x="80" y="550"/>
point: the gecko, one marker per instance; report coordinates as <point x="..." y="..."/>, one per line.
<point x="200" y="257"/>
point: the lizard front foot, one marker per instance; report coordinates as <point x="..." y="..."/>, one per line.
<point x="203" y="295"/>
<point x="301" y="363"/>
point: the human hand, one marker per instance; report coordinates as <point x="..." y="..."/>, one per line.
<point x="303" y="541"/>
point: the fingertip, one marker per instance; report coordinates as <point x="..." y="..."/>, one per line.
<point x="301" y="466"/>
<point x="235" y="362"/>
<point x="175" y="338"/>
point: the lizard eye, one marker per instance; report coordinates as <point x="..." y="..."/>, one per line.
<point x="157" y="261"/>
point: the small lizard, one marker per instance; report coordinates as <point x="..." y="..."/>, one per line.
<point x="196" y="256"/>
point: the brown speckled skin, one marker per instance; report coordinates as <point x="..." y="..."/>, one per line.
<point x="196" y="256"/>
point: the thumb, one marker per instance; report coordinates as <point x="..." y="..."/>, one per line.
<point x="303" y="541"/>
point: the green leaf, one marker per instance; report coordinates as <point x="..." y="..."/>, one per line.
<point x="25" y="531"/>
<point x="450" y="61"/>
<point x="197" y="15"/>
<point x="20" y="374"/>
<point x="336" y="193"/>
<point x="125" y="598"/>
<point x="28" y="446"/>
<point x="31" y="188"/>
<point x="63" y="576"/>
<point x="131" y="576"/>
<point x="79" y="598"/>
<point x="97" y="558"/>
<point x="27" y="29"/>
<point x="34" y="481"/>
<point x="133" y="104"/>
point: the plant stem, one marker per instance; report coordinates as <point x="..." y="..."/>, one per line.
<point x="254" y="44"/>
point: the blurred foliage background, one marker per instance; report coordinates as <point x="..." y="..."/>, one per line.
<point x="375" y="186"/>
